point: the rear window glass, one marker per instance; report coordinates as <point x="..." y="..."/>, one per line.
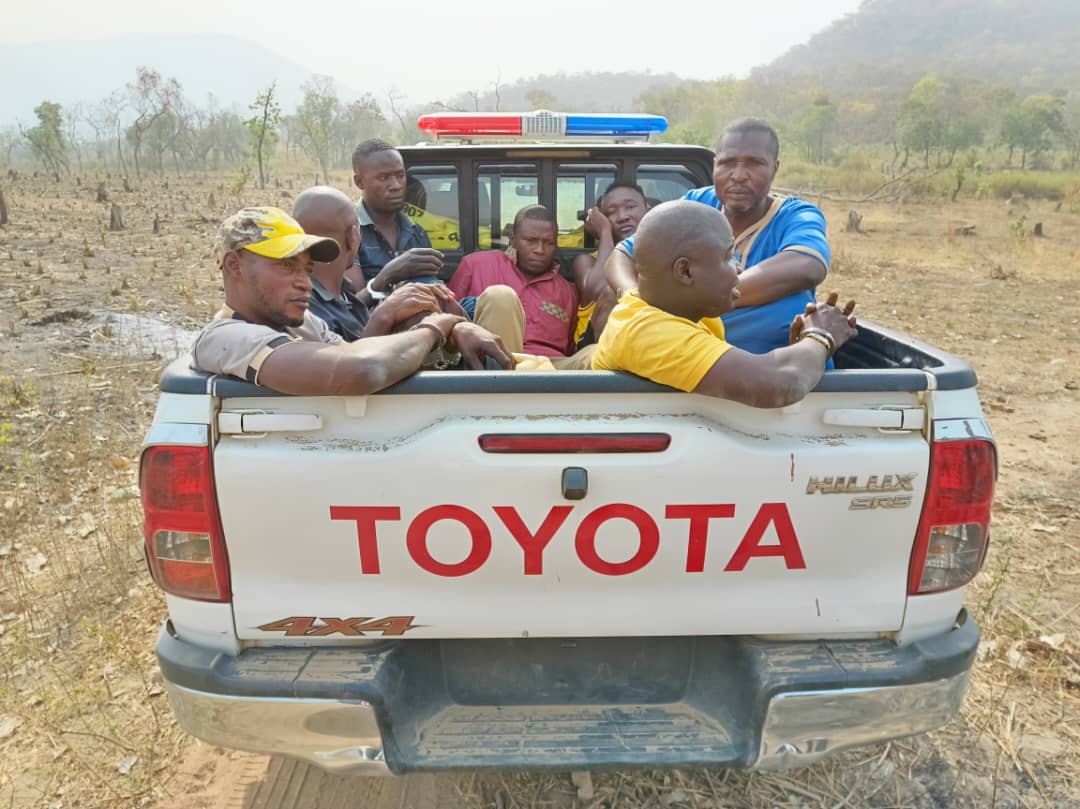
<point x="578" y="186"/>
<point x="431" y="200"/>
<point x="664" y="183"/>
<point x="502" y="191"/>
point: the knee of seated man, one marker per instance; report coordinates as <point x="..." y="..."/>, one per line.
<point x="499" y="301"/>
<point x="498" y="295"/>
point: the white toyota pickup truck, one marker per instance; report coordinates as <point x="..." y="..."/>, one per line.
<point x="567" y="570"/>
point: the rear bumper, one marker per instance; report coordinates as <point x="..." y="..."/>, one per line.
<point x="569" y="704"/>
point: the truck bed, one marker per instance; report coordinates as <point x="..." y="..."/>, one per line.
<point x="878" y="359"/>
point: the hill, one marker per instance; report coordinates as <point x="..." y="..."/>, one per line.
<point x="1027" y="45"/>
<point x="569" y="92"/>
<point x="233" y="69"/>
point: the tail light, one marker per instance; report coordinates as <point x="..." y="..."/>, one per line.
<point x="185" y="546"/>
<point x="954" y="528"/>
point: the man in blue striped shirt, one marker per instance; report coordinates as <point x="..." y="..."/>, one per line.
<point x="780" y="248"/>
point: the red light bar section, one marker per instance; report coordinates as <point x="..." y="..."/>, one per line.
<point x="469" y="124"/>
<point x="574" y="442"/>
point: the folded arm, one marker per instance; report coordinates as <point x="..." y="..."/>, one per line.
<point x="774" y="278"/>
<point x="305" y="368"/>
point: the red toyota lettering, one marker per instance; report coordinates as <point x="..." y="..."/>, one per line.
<point x="699" y="517"/>
<point x="365" y="517"/>
<point x="533" y="544"/>
<point x="416" y="540"/>
<point x="775" y="514"/>
<point x="648" y="539"/>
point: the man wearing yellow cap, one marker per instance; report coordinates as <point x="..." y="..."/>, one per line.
<point x="265" y="334"/>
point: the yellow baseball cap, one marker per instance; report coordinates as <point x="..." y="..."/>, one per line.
<point x="272" y="233"/>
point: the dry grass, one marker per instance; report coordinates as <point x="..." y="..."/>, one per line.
<point x="79" y="691"/>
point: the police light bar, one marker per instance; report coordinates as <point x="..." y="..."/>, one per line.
<point x="540" y="125"/>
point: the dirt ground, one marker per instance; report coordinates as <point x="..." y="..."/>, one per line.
<point x="83" y="720"/>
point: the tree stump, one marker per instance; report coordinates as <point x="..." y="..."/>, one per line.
<point x="210" y="201"/>
<point x="116" y="219"/>
<point x="3" y="209"/>
<point x="1037" y="230"/>
<point x="854" y="222"/>
<point x="102" y="194"/>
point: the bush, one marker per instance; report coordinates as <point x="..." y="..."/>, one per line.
<point x="850" y="177"/>
<point x="1030" y="184"/>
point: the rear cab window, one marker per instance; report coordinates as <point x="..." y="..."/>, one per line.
<point x="466" y="196"/>
<point x="578" y="187"/>
<point x="432" y="201"/>
<point x="501" y="191"/>
<point x="663" y="183"/>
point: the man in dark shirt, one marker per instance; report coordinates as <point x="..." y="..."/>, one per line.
<point x="393" y="248"/>
<point x="326" y="211"/>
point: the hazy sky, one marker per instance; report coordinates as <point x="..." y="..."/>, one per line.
<point x="433" y="49"/>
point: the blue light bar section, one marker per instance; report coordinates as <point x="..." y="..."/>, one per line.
<point x="640" y="126"/>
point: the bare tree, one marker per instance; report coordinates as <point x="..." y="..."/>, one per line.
<point x="393" y="96"/>
<point x="262" y="127"/>
<point x="442" y="105"/>
<point x="290" y="128"/>
<point x="151" y="97"/>
<point x="102" y="133"/>
<point x="171" y="133"/>
<point x="9" y="139"/>
<point x="110" y="118"/>
<point x="217" y="136"/>
<point x="495" y="87"/>
<point x="73" y="119"/>
<point x="357" y="121"/>
<point x="316" y="117"/>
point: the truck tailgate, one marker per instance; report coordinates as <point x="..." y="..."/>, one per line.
<point x="455" y="516"/>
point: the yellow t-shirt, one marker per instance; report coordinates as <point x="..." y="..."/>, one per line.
<point x="584" y="315"/>
<point x="657" y="345"/>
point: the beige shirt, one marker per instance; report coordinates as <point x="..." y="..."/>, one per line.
<point x="232" y="346"/>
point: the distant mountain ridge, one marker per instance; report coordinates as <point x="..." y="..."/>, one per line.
<point x="88" y="70"/>
<point x="1028" y="45"/>
<point x="571" y="92"/>
<point x="235" y="70"/>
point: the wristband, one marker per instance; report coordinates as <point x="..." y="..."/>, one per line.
<point x="375" y="295"/>
<point x="423" y="324"/>
<point x="825" y="333"/>
<point x="820" y="336"/>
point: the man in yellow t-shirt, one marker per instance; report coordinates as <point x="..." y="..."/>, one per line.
<point x="669" y="329"/>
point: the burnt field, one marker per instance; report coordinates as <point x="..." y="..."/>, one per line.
<point x="89" y="317"/>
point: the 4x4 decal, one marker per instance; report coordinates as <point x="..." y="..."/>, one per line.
<point x="306" y="626"/>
